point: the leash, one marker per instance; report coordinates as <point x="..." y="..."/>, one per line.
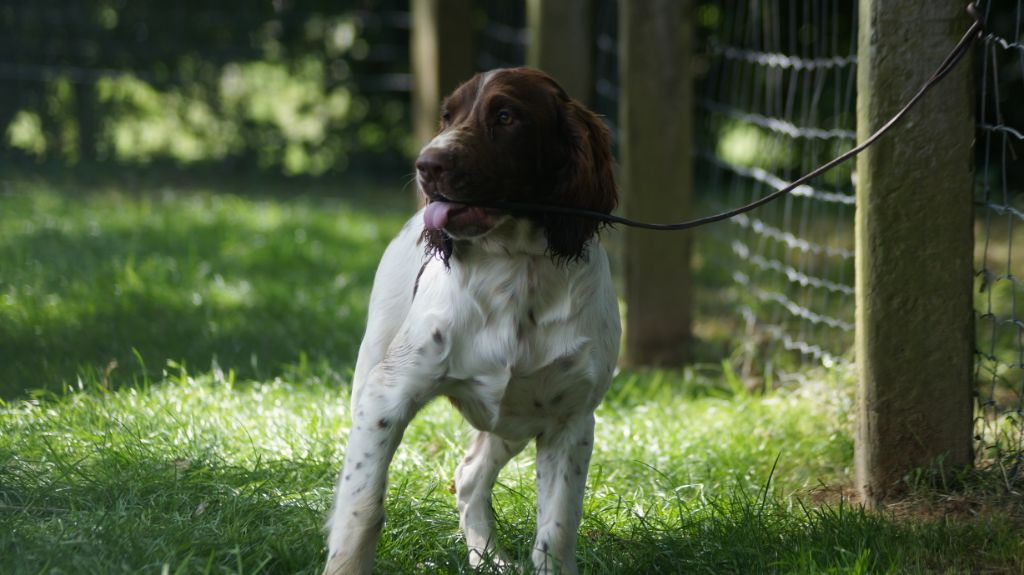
<point x="974" y="33"/>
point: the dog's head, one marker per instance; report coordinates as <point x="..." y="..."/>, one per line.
<point x="514" y="135"/>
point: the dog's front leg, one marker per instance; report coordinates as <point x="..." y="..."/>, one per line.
<point x="474" y="481"/>
<point x="380" y="413"/>
<point x="563" y="456"/>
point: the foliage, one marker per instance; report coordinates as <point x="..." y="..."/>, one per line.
<point x="282" y="86"/>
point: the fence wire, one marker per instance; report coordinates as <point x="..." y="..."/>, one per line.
<point x="776" y="100"/>
<point x="605" y="97"/>
<point x="501" y="34"/>
<point x="998" y="187"/>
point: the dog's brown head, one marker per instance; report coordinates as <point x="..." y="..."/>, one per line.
<point x="514" y="135"/>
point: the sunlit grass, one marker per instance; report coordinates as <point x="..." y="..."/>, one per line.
<point x="204" y="474"/>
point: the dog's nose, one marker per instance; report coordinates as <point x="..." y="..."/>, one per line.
<point x="432" y="164"/>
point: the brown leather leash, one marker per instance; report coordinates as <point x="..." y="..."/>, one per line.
<point x="973" y="34"/>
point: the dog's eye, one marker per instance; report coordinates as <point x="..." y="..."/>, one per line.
<point x="446" y="117"/>
<point x="505" y="118"/>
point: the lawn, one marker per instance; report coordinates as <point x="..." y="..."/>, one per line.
<point x="174" y="362"/>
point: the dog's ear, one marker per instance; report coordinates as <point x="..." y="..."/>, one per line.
<point x="585" y="181"/>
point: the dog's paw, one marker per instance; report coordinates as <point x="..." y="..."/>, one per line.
<point x="342" y="564"/>
<point x="492" y="561"/>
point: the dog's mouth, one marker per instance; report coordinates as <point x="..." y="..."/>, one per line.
<point x="461" y="219"/>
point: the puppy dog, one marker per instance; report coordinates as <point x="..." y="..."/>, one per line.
<point x="513" y="318"/>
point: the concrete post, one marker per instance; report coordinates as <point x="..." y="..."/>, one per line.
<point x="914" y="242"/>
<point x="656" y="119"/>
<point x="441" y="53"/>
<point x="561" y="42"/>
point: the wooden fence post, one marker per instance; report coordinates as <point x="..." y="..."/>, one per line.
<point x="561" y="42"/>
<point x="656" y="119"/>
<point x="914" y="238"/>
<point x="441" y="53"/>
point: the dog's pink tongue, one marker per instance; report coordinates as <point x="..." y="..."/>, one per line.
<point x="435" y="217"/>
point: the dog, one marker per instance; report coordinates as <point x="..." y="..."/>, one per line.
<point x="512" y="317"/>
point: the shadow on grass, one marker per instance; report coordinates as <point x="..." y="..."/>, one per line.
<point x="206" y="517"/>
<point x="118" y="276"/>
<point x="195" y="516"/>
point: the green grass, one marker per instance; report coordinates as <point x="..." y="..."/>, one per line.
<point x="203" y="474"/>
<point x="197" y="354"/>
<point x="118" y="276"/>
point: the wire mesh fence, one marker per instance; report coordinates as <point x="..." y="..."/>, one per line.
<point x="605" y="99"/>
<point x="999" y="183"/>
<point x="777" y="100"/>
<point x="502" y="35"/>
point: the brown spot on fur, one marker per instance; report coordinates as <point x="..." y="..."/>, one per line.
<point x="416" y="284"/>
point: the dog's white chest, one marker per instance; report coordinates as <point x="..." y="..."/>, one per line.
<point x="519" y="349"/>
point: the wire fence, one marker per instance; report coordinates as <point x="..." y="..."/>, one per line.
<point x="778" y="99"/>
<point x="502" y="36"/>
<point x="605" y="99"/>
<point x="999" y="197"/>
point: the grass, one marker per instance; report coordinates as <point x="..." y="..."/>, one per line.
<point x="116" y="277"/>
<point x="200" y="473"/>
<point x="176" y="358"/>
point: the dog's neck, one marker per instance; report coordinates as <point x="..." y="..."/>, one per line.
<point x="514" y="237"/>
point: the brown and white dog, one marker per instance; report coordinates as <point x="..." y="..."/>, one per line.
<point x="513" y="318"/>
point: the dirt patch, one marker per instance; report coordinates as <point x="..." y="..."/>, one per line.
<point x="932" y="506"/>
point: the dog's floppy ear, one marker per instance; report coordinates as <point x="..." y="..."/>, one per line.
<point x="586" y="181"/>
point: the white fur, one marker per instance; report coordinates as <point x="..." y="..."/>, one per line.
<point x="524" y="345"/>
